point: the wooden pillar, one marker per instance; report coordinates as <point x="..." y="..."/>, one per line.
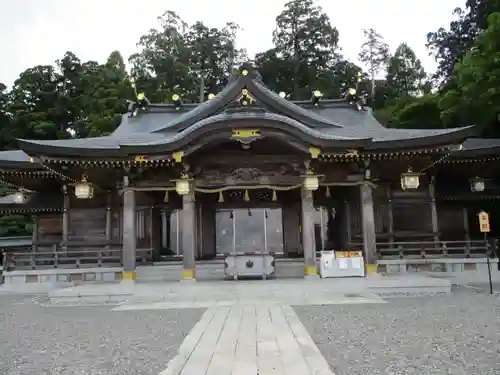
<point x="368" y="227"/>
<point x="308" y="235"/>
<point x="390" y="214"/>
<point x="109" y="200"/>
<point x="188" y="240"/>
<point x="291" y="230"/>
<point x="156" y="232"/>
<point x="65" y="219"/>
<point x="465" y="214"/>
<point x="208" y="231"/>
<point x="347" y="217"/>
<point x="35" y="233"/>
<point x="129" y="234"/>
<point x="434" y="214"/>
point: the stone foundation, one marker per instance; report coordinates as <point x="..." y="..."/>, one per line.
<point x="57" y="275"/>
<point x="458" y="267"/>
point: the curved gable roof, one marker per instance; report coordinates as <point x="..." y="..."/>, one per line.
<point x="333" y="123"/>
<point x="256" y="89"/>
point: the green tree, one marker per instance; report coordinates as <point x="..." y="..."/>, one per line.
<point x="105" y="90"/>
<point x="15" y="225"/>
<point x="480" y="10"/>
<point x="343" y="76"/>
<point x="305" y="36"/>
<point x="178" y="58"/>
<point x="412" y="113"/>
<point x="405" y="74"/>
<point x="476" y="98"/>
<point x="275" y="70"/>
<point x="375" y="54"/>
<point x="5" y="118"/>
<point x="212" y="54"/>
<point x="36" y="107"/>
<point x="450" y="45"/>
<point x="161" y="67"/>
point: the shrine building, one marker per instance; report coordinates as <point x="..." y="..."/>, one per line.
<point x="248" y="170"/>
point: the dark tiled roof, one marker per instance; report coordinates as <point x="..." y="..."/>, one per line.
<point x="474" y="147"/>
<point x="334" y="121"/>
<point x="33" y="200"/>
<point x="17" y="158"/>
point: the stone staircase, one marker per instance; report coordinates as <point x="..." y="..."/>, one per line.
<point x="211" y="270"/>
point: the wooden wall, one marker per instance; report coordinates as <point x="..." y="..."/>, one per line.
<point x="411" y="217"/>
<point x="87" y="225"/>
<point x="50" y="227"/>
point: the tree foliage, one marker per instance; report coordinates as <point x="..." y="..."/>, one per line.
<point x="374" y="54"/>
<point x="405" y="74"/>
<point x="178" y="58"/>
<point x="305" y="38"/>
<point x="475" y="98"/>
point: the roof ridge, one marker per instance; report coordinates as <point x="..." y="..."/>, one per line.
<point x="247" y="79"/>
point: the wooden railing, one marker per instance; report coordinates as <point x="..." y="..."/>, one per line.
<point x="432" y="249"/>
<point x="80" y="258"/>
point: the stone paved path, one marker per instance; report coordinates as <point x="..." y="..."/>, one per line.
<point x="248" y="340"/>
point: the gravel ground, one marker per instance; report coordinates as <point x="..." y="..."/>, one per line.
<point x="485" y="287"/>
<point x="36" y="340"/>
<point x="453" y="335"/>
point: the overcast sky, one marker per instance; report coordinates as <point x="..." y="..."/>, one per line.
<point x="40" y="31"/>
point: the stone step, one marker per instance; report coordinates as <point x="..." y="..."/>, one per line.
<point x="210" y="271"/>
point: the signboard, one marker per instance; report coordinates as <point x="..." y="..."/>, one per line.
<point x="484" y="222"/>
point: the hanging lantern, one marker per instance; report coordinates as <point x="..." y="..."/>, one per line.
<point x="221" y="197"/>
<point x="83" y="189"/>
<point x="410" y="180"/>
<point x="311" y="181"/>
<point x="327" y="193"/>
<point x="19" y="197"/>
<point x="476" y="184"/>
<point x="183" y="186"/>
<point x="165" y="198"/>
<point x="316" y="97"/>
<point x="275" y="196"/>
<point x="246" y="196"/>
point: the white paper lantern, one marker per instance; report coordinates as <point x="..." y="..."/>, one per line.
<point x="311" y="182"/>
<point x="19" y="197"/>
<point x="84" y="190"/>
<point x="182" y="187"/>
<point x="476" y="185"/>
<point x="410" y="180"/>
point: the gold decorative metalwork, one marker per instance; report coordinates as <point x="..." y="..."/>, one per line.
<point x="246" y="133"/>
<point x="315" y="152"/>
<point x="139" y="158"/>
<point x="177" y="156"/>
<point x="245" y="98"/>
